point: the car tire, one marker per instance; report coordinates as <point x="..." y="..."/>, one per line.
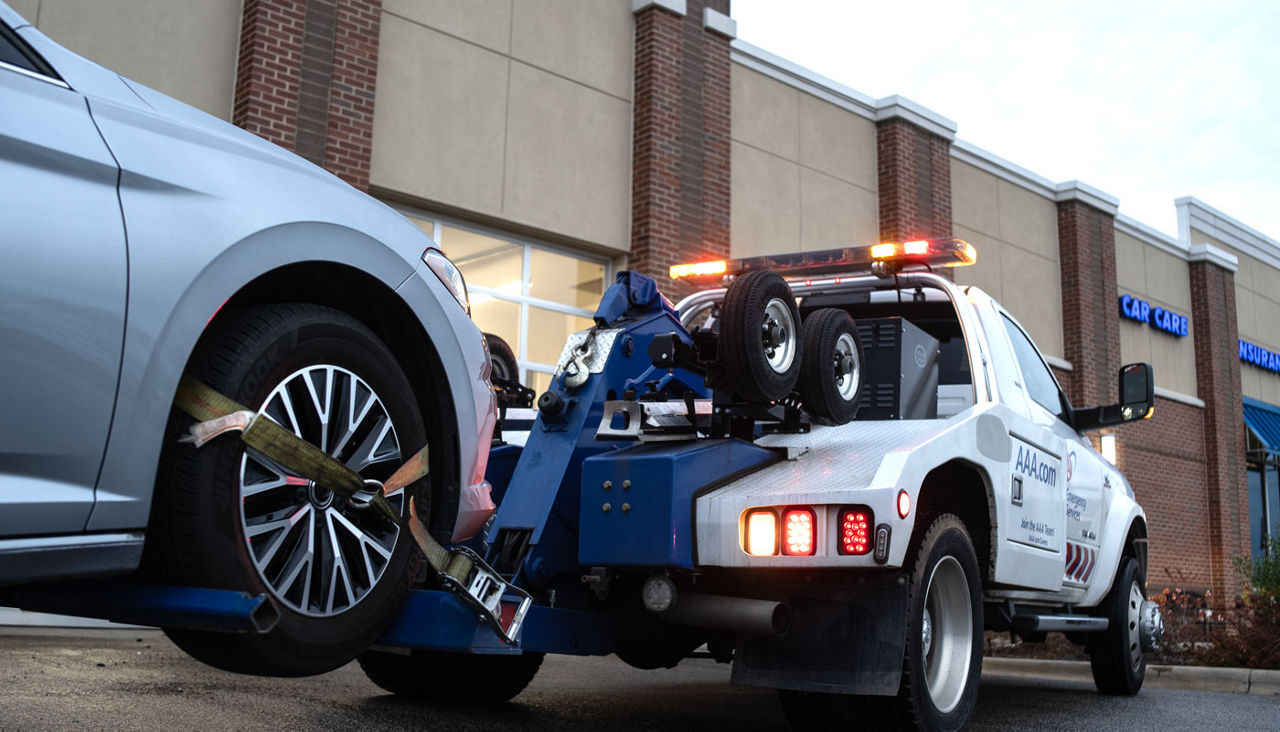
<point x="506" y="370"/>
<point x="831" y="365"/>
<point x="227" y="518"/>
<point x="1115" y="655"/>
<point x="942" y="661"/>
<point x="442" y="675"/>
<point x="760" y="337"/>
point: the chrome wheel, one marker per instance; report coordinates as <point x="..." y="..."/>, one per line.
<point x="948" y="634"/>
<point x="1133" y="633"/>
<point x="318" y="553"/>
<point x="847" y="368"/>
<point x="778" y="334"/>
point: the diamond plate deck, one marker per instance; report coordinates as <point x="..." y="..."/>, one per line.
<point x="836" y="458"/>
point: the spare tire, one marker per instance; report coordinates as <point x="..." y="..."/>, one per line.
<point x="831" y="369"/>
<point x="506" y="370"/>
<point x="760" y="337"/>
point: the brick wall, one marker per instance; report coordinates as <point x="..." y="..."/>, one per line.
<point x="306" y="77"/>
<point x="1162" y="459"/>
<point x="914" y="170"/>
<point x="1213" y="322"/>
<point x="1090" y="322"/>
<point x="680" y="141"/>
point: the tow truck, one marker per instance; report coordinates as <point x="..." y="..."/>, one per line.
<point x="831" y="469"/>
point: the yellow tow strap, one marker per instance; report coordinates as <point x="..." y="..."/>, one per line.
<point x="462" y="572"/>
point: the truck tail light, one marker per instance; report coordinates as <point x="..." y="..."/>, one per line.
<point x="904" y="504"/>
<point x="762" y="533"/>
<point x="798" y="532"/>
<point x="855" y="530"/>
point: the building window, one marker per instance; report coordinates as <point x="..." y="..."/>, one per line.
<point x="530" y="294"/>
<point x="1263" y="469"/>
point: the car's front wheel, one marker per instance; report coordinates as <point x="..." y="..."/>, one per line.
<point x="228" y="517"/>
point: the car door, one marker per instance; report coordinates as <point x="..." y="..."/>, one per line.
<point x="63" y="275"/>
<point x="1035" y="534"/>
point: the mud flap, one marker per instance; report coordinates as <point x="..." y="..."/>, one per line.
<point x="849" y="642"/>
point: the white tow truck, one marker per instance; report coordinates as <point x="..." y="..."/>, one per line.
<point x="933" y="481"/>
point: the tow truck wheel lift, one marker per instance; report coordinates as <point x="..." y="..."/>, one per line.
<point x="534" y="542"/>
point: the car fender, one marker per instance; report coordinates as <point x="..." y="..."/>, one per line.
<point x="162" y="333"/>
<point x="1121" y="515"/>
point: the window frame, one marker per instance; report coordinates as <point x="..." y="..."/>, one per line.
<point x="524" y="300"/>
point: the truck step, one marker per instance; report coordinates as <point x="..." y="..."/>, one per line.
<point x="1077" y="623"/>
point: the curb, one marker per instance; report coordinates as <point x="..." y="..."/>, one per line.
<point x="1263" y="682"/>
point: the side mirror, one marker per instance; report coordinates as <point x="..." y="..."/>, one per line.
<point x="1137" y="401"/>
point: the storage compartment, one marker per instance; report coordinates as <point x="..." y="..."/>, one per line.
<point x="899" y="370"/>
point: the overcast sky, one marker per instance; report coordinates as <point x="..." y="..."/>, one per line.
<point x="1147" y="101"/>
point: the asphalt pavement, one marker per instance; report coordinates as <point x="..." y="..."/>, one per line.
<point x="136" y="679"/>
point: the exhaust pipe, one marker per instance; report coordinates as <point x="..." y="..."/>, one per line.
<point x="735" y="614"/>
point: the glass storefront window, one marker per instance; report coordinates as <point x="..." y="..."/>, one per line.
<point x="548" y="330"/>
<point x="484" y="260"/>
<point x="566" y="280"/>
<point x="530" y="295"/>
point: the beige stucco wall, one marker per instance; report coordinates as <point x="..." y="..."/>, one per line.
<point x="1162" y="280"/>
<point x="804" y="170"/>
<point x="1257" y="316"/>
<point x="1015" y="233"/>
<point x="514" y="109"/>
<point x="184" y="48"/>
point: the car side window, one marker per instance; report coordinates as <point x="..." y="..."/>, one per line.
<point x="12" y="52"/>
<point x="1039" y="380"/>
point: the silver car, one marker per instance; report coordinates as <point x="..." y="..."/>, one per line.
<point x="141" y="239"/>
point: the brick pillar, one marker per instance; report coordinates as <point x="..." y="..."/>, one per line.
<point x="914" y="167"/>
<point x="1090" y="319"/>
<point x="306" y="79"/>
<point x="680" y="136"/>
<point x="1214" y="325"/>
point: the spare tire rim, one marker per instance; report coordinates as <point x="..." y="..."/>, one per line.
<point x="947" y="655"/>
<point x="846" y="357"/>
<point x="778" y="331"/>
<point x="320" y="554"/>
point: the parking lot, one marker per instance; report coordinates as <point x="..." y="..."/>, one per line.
<point x="55" y="679"/>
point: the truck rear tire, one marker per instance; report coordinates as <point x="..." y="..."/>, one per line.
<point x="1115" y="655"/>
<point x="467" y="677"/>
<point x="831" y="365"/>
<point x="943" y="658"/>
<point x="760" y="338"/>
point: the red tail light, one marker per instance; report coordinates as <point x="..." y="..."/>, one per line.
<point x="855" y="530"/>
<point x="798" y="532"/>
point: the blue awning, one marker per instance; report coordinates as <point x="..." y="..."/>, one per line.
<point x="1264" y="420"/>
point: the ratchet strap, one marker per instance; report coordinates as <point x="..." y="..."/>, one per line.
<point x="460" y="571"/>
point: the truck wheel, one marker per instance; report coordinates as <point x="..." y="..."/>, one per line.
<point x="479" y="679"/>
<point x="831" y="365"/>
<point x="760" y="337"/>
<point x="943" y="657"/>
<point x="1115" y="655"/>
<point x="503" y="359"/>
<point x="229" y="518"/>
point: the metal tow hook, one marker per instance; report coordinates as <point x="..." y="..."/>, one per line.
<point x="577" y="372"/>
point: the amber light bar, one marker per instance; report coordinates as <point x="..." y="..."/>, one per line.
<point x="948" y="252"/>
